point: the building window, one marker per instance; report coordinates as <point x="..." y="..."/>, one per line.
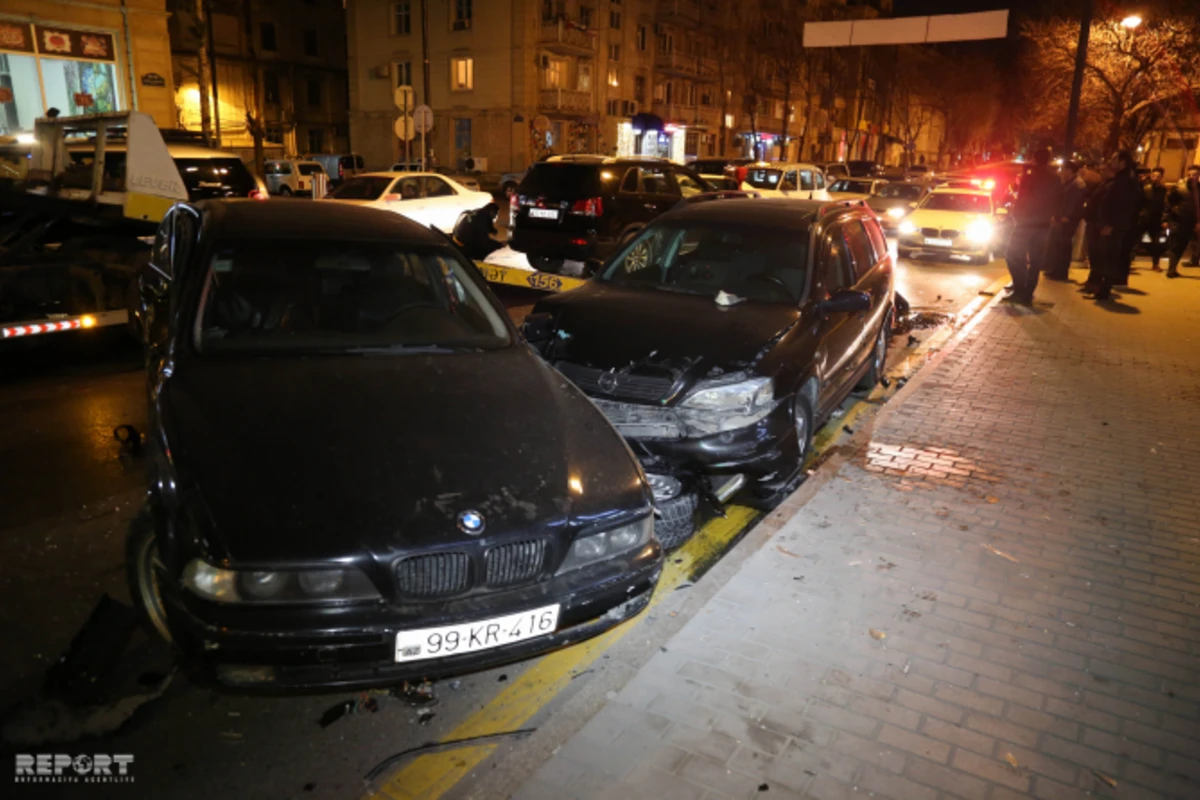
<point x="613" y="78"/>
<point x="462" y="15"/>
<point x="403" y="73"/>
<point x="402" y="18"/>
<point x="614" y="52"/>
<point x="314" y="91"/>
<point x="666" y="43"/>
<point x="614" y="107"/>
<point x="275" y="133"/>
<point x="585" y="77"/>
<point x="462" y="74"/>
<point x="585" y="16"/>
<point x="614" y="20"/>
<point x="310" y="43"/>
<point x="639" y="88"/>
<point x="271" y="86"/>
<point x="316" y="140"/>
<point x="555" y="73"/>
<point x="641" y="38"/>
<point x="462" y="141"/>
<point x="266" y="36"/>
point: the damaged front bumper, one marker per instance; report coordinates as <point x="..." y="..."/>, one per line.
<point x="263" y="649"/>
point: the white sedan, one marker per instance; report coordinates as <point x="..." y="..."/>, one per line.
<point x="855" y="188"/>
<point x="423" y="197"/>
<point x="960" y="223"/>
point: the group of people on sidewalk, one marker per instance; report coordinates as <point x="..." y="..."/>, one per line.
<point x="1118" y="208"/>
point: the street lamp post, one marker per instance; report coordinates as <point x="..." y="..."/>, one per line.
<point x="1085" y="29"/>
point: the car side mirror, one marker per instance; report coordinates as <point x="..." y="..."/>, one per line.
<point x="846" y="301"/>
<point x="538" y="328"/>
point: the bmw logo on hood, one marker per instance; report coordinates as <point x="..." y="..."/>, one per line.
<point x="471" y="522"/>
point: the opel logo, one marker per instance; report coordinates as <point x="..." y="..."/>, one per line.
<point x="471" y="522"/>
<point x="607" y="382"/>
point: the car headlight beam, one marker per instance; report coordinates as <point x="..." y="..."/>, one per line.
<point x="907" y="227"/>
<point x="980" y="231"/>
<point x="896" y="212"/>
<point x="277" y="586"/>
<point x="598" y="546"/>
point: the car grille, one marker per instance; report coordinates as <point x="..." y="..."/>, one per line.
<point x="436" y="575"/>
<point x="514" y="563"/>
<point x="935" y="233"/>
<point x="617" y="384"/>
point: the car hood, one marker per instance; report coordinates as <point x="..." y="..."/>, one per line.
<point x="610" y="327"/>
<point x="959" y="220"/>
<point x="295" y="460"/>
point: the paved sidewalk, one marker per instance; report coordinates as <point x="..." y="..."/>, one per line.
<point x="998" y="596"/>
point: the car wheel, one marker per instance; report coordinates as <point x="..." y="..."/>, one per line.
<point x="676" y="521"/>
<point x="878" y="356"/>
<point x="141" y="570"/>
<point x="904" y="252"/>
<point x="628" y="236"/>
<point x="545" y="264"/>
<point x="284" y="191"/>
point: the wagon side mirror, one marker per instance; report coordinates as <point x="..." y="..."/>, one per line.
<point x="846" y="301"/>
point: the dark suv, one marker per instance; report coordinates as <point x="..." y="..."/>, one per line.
<point x="583" y="208"/>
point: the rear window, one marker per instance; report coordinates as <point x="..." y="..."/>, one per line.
<point x="227" y="174"/>
<point x="310" y="169"/>
<point x="572" y="180"/>
<point x="764" y="178"/>
<point x="371" y="188"/>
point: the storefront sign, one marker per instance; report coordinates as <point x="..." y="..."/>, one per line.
<point x="15" y="37"/>
<point x="153" y="79"/>
<point x="79" y="44"/>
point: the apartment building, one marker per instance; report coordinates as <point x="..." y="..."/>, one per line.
<point x="282" y="62"/>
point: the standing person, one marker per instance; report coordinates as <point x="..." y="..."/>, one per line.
<point x="1187" y="219"/>
<point x="1117" y="213"/>
<point x="1133" y="234"/>
<point x="1151" y="221"/>
<point x="1032" y="212"/>
<point x="1067" y="214"/>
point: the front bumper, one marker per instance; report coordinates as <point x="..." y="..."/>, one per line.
<point x="274" y="651"/>
<point x="959" y="246"/>
<point x="573" y="246"/>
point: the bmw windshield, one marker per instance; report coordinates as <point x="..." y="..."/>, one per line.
<point x="745" y="262"/>
<point x="966" y="203"/>
<point x="329" y="295"/>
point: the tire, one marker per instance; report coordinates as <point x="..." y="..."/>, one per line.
<point x="141" y="557"/>
<point x="676" y="522"/>
<point x="284" y="191"/>
<point x="982" y="261"/>
<point x="628" y="236"/>
<point x="903" y="252"/>
<point x="545" y="264"/>
<point x="878" y="356"/>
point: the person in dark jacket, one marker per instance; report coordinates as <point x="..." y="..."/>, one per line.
<point x="1151" y="220"/>
<point x="1186" y="214"/>
<point x="1032" y="213"/>
<point x="474" y="230"/>
<point x="1067" y="214"/>
<point x="1117" y="214"/>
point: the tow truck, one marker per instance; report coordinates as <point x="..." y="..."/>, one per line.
<point x="74" y="230"/>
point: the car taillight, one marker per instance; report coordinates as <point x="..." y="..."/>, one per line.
<point x="591" y="207"/>
<point x="256" y="194"/>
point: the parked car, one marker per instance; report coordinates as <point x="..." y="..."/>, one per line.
<point x="340" y="559"/>
<point x="424" y="197"/>
<point x="863" y="168"/>
<point x="288" y="176"/>
<point x="206" y="172"/>
<point x="855" y="188"/>
<point x="893" y="201"/>
<point x="720" y="182"/>
<point x="339" y="166"/>
<point x="959" y="223"/>
<point x="582" y="209"/>
<point x="834" y="171"/>
<point x="780" y="179"/>
<point x="719" y="338"/>
<point x="918" y="172"/>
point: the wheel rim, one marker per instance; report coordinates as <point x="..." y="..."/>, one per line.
<point x="148" y="588"/>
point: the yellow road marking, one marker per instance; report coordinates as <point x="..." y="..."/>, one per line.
<point x="432" y="775"/>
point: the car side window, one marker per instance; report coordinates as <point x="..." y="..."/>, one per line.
<point x="806" y="179"/>
<point x="820" y="179"/>
<point x="789" y="180"/>
<point x="655" y="180"/>
<point x="285" y="168"/>
<point x="878" y="242"/>
<point x="837" y="270"/>
<point x="688" y="186"/>
<point x="858" y="245"/>
<point x="630" y="183"/>
<point x="272" y="168"/>
<point x="436" y="187"/>
<point x="407" y="188"/>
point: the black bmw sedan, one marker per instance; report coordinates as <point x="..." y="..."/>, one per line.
<point x="359" y="472"/>
<point x="719" y="338"/>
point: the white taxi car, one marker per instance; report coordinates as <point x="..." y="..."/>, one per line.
<point x="424" y="197"/>
<point x="287" y="176"/>
<point x="960" y="223"/>
<point x="783" y="179"/>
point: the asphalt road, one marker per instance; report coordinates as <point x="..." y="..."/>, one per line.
<point x="65" y="499"/>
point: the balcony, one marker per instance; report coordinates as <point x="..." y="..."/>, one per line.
<point x="680" y="65"/>
<point x="565" y="100"/>
<point x="681" y="13"/>
<point x="770" y="87"/>
<point x="567" y="38"/>
<point x="676" y="113"/>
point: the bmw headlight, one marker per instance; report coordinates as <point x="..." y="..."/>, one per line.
<point x="277" y="586"/>
<point x="907" y="227"/>
<point x="980" y="231"/>
<point x="606" y="544"/>
<point x="896" y="212"/>
<point x="727" y="404"/>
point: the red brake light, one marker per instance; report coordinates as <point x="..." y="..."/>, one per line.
<point x="591" y="207"/>
<point x="257" y="194"/>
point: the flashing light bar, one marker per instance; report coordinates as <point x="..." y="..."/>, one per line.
<point x="35" y="327"/>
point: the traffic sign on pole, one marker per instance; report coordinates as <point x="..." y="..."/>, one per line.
<point x="404" y="97"/>
<point x="404" y="128"/>
<point x="423" y="117"/>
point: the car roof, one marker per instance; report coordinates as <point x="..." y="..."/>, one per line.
<point x="785" y="165"/>
<point x="309" y="219"/>
<point x="390" y="173"/>
<point x="174" y="149"/>
<point x="783" y="212"/>
<point x="954" y="190"/>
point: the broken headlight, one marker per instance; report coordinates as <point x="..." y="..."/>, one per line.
<point x="728" y="404"/>
<point x="277" y="586"/>
<point x="606" y="544"/>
